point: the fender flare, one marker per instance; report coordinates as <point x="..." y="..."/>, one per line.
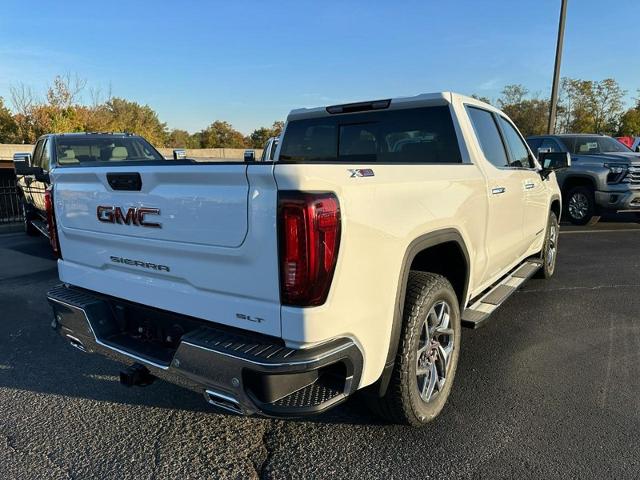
<point x="594" y="179"/>
<point x="421" y="243"/>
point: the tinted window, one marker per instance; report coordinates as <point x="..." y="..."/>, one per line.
<point x="595" y="145"/>
<point x="274" y="147"/>
<point x="45" y="158"/>
<point x="37" y="154"/>
<point x="534" y="143"/>
<point x="551" y="145"/>
<point x="74" y="150"/>
<point x="568" y="143"/>
<point x="488" y="135"/>
<point x="520" y="157"/>
<point x="420" y="135"/>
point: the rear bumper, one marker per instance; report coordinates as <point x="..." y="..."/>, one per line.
<point x="619" y="201"/>
<point x="234" y="370"/>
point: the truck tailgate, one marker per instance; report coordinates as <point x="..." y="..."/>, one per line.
<point x="198" y="240"/>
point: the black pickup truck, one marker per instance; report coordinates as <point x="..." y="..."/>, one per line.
<point x="604" y="175"/>
<point x="32" y="169"/>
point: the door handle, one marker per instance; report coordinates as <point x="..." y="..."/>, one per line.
<point x="498" y="190"/>
<point x="529" y="185"/>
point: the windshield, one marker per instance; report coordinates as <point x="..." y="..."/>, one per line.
<point x="74" y="150"/>
<point x="593" y="145"/>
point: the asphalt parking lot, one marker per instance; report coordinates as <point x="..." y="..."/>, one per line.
<point x="549" y="388"/>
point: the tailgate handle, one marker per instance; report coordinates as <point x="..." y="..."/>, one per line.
<point x="125" y="181"/>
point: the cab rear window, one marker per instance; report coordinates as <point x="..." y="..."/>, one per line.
<point x="418" y="135"/>
<point x="85" y="150"/>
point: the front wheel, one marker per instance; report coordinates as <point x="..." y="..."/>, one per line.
<point x="428" y="352"/>
<point x="549" y="252"/>
<point x="581" y="206"/>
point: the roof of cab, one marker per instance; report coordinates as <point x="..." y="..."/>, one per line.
<point x="89" y="134"/>
<point x="423" y="99"/>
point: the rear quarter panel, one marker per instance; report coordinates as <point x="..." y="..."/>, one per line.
<point x="381" y="216"/>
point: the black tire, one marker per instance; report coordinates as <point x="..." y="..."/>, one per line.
<point x="580" y="206"/>
<point x="29" y="229"/>
<point x="403" y="402"/>
<point x="549" y="253"/>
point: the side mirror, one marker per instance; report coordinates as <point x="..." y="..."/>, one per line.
<point x="179" y="154"/>
<point x="249" y="155"/>
<point x="22" y="163"/>
<point x="552" y="161"/>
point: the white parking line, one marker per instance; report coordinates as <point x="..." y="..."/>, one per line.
<point x="601" y="231"/>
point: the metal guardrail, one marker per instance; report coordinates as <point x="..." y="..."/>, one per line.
<point x="10" y="210"/>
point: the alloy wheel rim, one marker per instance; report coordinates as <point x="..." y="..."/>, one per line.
<point x="578" y="205"/>
<point x="552" y="245"/>
<point x="435" y="346"/>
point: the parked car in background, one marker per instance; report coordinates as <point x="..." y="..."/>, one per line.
<point x="351" y="262"/>
<point x="65" y="149"/>
<point x="626" y="141"/>
<point x="604" y="175"/>
<point x="632" y="142"/>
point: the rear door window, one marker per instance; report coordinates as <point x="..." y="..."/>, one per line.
<point x="488" y="136"/>
<point x="418" y="135"/>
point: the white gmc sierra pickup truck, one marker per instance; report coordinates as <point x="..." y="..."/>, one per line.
<point x="282" y="287"/>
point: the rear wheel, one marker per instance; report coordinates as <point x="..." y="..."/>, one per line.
<point x="428" y="353"/>
<point x="580" y="206"/>
<point x="29" y="229"/>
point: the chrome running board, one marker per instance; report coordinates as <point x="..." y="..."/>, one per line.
<point x="476" y="315"/>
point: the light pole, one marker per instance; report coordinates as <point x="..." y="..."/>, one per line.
<point x="556" y="70"/>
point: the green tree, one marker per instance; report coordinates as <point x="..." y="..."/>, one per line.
<point x="178" y="139"/>
<point x="529" y="114"/>
<point x="8" y="125"/>
<point x="120" y="115"/>
<point x="221" y="135"/>
<point x="512" y="95"/>
<point x="259" y="136"/>
<point x="607" y="105"/>
<point x="588" y="106"/>
<point x="630" y="123"/>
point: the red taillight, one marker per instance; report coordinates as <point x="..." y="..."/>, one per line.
<point x="51" y="223"/>
<point x="309" y="240"/>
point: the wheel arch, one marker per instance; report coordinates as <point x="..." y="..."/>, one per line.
<point x="418" y="254"/>
<point x="578" y="180"/>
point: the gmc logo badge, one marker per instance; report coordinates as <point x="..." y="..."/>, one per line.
<point x="134" y="216"/>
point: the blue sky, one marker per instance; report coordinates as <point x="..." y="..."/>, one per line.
<point x="250" y="62"/>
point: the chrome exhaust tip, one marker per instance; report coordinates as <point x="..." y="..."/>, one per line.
<point x="76" y="343"/>
<point x="223" y="401"/>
